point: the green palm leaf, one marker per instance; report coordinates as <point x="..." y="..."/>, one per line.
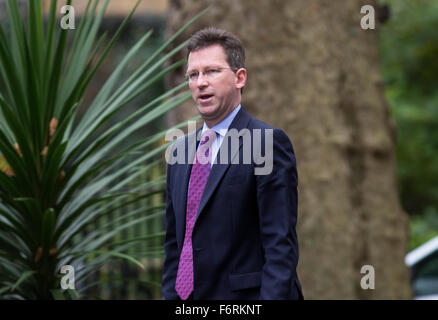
<point x="62" y="176"/>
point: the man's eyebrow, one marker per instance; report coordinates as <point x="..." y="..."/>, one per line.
<point x="204" y="68"/>
<point x="191" y="70"/>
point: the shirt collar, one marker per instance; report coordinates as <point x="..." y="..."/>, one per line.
<point x="222" y="127"/>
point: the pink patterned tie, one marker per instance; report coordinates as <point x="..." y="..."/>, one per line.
<point x="198" y="179"/>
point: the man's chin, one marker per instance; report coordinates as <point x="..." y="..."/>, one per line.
<point x="207" y="111"/>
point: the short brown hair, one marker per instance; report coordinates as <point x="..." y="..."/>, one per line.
<point x="234" y="51"/>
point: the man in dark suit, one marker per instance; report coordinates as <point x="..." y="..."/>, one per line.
<point x="230" y="222"/>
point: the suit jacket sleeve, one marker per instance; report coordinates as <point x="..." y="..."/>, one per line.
<point x="277" y="201"/>
<point x="170" y="266"/>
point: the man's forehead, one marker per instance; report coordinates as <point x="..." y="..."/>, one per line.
<point x="206" y="57"/>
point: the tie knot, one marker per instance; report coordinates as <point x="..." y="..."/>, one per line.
<point x="204" y="152"/>
<point x="207" y="135"/>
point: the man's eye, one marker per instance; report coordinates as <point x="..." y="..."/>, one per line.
<point x="193" y="75"/>
<point x="211" y="71"/>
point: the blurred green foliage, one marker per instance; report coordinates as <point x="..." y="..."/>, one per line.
<point x="423" y="227"/>
<point x="409" y="57"/>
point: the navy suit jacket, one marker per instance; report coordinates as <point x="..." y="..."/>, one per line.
<point x="244" y="240"/>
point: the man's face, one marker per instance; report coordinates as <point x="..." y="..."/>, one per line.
<point x="215" y="87"/>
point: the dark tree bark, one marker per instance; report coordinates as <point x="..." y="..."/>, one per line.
<point x="315" y="73"/>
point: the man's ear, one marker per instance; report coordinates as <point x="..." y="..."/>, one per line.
<point x="240" y="78"/>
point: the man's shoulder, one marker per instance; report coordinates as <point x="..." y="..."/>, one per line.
<point x="255" y="123"/>
<point x="279" y="135"/>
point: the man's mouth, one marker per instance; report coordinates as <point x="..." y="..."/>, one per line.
<point x="205" y="97"/>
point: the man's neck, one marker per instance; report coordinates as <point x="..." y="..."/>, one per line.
<point x="211" y="123"/>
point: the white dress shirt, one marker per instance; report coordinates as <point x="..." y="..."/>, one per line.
<point x="221" y="130"/>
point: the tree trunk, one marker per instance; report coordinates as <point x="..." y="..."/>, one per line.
<point x="313" y="72"/>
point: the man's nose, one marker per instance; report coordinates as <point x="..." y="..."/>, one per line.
<point x="202" y="80"/>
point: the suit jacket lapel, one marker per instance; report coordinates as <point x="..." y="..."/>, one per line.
<point x="218" y="170"/>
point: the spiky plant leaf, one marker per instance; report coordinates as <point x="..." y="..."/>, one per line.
<point x="60" y="172"/>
